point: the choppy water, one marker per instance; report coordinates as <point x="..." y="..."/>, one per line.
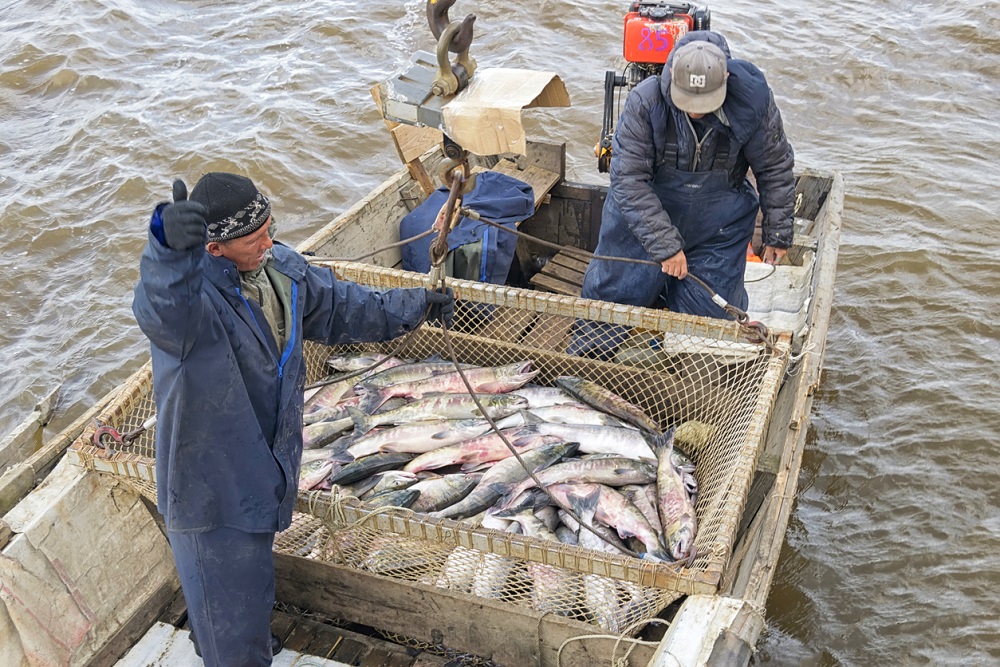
<point x="892" y="553"/>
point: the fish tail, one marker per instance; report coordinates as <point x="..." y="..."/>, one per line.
<point x="373" y="400"/>
<point x="664" y="441"/>
<point x="362" y="421"/>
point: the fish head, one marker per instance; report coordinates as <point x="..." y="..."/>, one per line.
<point x="520" y="372"/>
<point x="680" y="542"/>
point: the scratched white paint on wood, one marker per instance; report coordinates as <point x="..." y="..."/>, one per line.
<point x="85" y="555"/>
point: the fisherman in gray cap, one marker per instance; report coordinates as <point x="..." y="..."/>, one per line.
<point x="679" y="193"/>
<point x="226" y="309"/>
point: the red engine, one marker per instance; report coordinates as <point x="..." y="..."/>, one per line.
<point x="651" y="32"/>
<point x="653" y="28"/>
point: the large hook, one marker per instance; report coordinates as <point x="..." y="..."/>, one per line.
<point x="437" y="17"/>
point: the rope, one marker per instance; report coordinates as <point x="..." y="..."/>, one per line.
<point x="400" y="244"/>
<point x="756" y="331"/>
<point x="623" y="661"/>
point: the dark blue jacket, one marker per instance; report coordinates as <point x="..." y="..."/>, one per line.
<point x="753" y="125"/>
<point x="229" y="429"/>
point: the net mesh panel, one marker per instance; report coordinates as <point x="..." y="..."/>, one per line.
<point x="696" y="373"/>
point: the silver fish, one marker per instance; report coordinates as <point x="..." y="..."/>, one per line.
<point x="398" y="498"/>
<point x="615" y="510"/>
<point x="677" y="515"/>
<point x="321" y="434"/>
<point x="554" y="588"/>
<point x="351" y="363"/>
<point x="543" y="397"/>
<point x="475" y="451"/>
<point x="314" y="472"/>
<point x="502" y="475"/>
<point x="494" y="380"/>
<point x="600" y="594"/>
<point x="611" y="470"/>
<point x="406" y="373"/>
<point x="606" y="400"/>
<point x="627" y="442"/>
<point x="442" y="406"/>
<point x="326" y="397"/>
<point x="440" y="492"/>
<point x="369" y="465"/>
<point x="563" y="414"/>
<point x="644" y="498"/>
<point x="417" y="437"/>
<point x="490" y="578"/>
<point x="390" y="480"/>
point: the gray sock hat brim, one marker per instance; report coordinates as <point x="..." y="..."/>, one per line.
<point x="235" y="206"/>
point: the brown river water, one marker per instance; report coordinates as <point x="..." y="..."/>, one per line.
<point x="893" y="551"/>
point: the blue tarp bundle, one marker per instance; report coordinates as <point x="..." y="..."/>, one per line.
<point x="496" y="197"/>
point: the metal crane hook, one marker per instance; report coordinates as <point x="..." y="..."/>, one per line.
<point x="437" y="18"/>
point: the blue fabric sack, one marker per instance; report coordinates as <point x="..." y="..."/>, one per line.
<point x="496" y="197"/>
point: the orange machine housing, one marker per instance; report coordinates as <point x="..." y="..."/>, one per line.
<point x="650" y="40"/>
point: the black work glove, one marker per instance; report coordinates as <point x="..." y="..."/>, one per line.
<point x="442" y="306"/>
<point x="184" y="224"/>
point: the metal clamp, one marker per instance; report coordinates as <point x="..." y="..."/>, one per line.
<point x="453" y="36"/>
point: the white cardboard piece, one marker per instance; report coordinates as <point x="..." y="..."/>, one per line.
<point x="485" y="117"/>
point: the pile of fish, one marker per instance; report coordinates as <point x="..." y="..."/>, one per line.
<point x="408" y="434"/>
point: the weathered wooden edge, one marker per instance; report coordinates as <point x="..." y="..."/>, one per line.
<point x="750" y="586"/>
<point x="135" y="627"/>
<point x="16" y="442"/>
<point x="786" y="484"/>
<point x="511" y="635"/>
<point x="19" y="480"/>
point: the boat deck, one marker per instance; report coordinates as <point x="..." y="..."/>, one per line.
<point x="309" y="641"/>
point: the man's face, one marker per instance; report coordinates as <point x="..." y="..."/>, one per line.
<point x="247" y="252"/>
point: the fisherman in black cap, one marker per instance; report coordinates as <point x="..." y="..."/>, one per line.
<point x="679" y="193"/>
<point x="226" y="308"/>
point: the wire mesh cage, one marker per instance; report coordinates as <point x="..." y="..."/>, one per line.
<point x="698" y="375"/>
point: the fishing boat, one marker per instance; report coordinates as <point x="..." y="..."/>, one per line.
<point x="363" y="585"/>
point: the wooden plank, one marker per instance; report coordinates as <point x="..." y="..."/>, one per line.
<point x="19" y="480"/>
<point x="282" y="625"/>
<point x="506" y="633"/>
<point x="26" y="437"/>
<point x="550" y="333"/>
<point x="570" y="261"/>
<point x="556" y="285"/>
<point x="300" y="636"/>
<point x="507" y="324"/>
<point x="135" y="627"/>
<point x="381" y="658"/>
<point x="5" y="534"/>
<point x="540" y="180"/>
<point x="572" y="276"/>
<point x="411" y="143"/>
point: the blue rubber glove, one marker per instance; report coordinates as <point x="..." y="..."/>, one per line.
<point x="184" y="224"/>
<point x="442" y="306"/>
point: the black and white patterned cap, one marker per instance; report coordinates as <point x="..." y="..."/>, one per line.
<point x="235" y="206"/>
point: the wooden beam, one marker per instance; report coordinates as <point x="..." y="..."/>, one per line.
<point x="411" y="143"/>
<point x="19" y="480"/>
<point x="26" y="437"/>
<point x="700" y="634"/>
<point x="508" y="634"/>
<point x="135" y="627"/>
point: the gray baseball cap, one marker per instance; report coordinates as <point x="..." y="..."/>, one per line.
<point x="698" y="77"/>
